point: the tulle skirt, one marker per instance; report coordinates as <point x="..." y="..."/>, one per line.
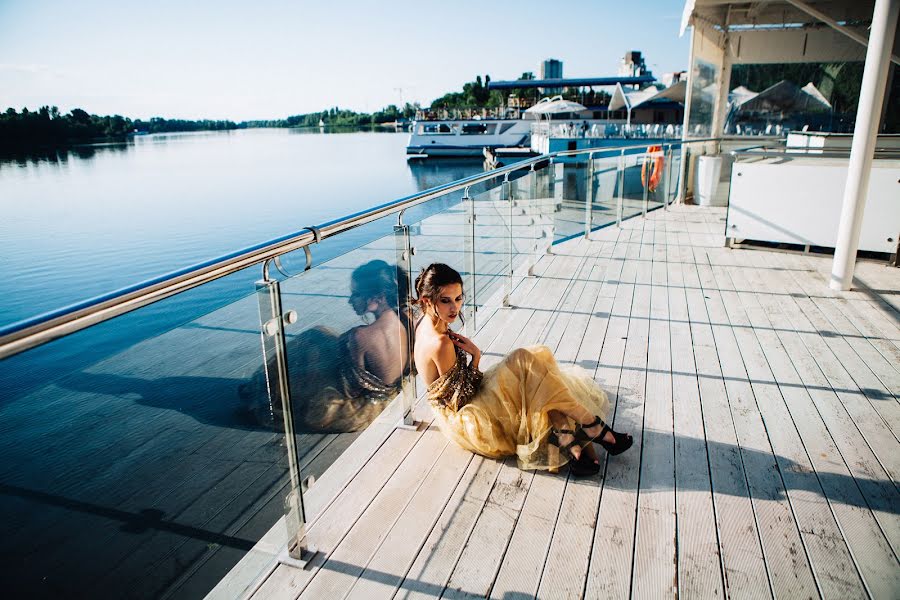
<point x="509" y="416"/>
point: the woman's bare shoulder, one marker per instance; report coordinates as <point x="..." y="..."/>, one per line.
<point x="438" y="349"/>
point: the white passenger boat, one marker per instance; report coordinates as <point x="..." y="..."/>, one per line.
<point x="466" y="137"/>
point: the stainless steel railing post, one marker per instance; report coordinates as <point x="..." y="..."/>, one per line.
<point x="645" y="181"/>
<point x="621" y="178"/>
<point x="469" y="241"/>
<point x="505" y="195"/>
<point x="548" y="207"/>
<point x="534" y="207"/>
<point x="274" y="344"/>
<point x="405" y="252"/>
<point x="589" y="197"/>
<point x="667" y="153"/>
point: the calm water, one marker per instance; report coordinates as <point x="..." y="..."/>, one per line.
<point x="95" y="219"/>
<point x="129" y="466"/>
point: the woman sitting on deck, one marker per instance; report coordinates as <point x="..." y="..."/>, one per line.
<point x="523" y="406"/>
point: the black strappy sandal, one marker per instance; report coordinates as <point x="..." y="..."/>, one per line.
<point x="581" y="466"/>
<point x="623" y="440"/>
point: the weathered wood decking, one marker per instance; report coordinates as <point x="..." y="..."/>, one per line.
<point x="766" y="416"/>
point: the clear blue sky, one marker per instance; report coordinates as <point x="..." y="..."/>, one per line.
<point x="267" y="59"/>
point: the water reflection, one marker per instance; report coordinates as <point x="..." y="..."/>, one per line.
<point x="56" y="156"/>
<point x="433" y="172"/>
<point x="342" y="380"/>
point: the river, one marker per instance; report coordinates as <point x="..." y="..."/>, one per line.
<point x="85" y="221"/>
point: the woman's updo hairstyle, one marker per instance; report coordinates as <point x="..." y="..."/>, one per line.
<point x="432" y="279"/>
<point x="375" y="279"/>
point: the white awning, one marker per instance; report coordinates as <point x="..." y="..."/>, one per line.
<point x="630" y="99"/>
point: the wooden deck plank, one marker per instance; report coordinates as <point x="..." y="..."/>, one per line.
<point x="699" y="560"/>
<point x="873" y="427"/>
<point x="866" y="340"/>
<point x="566" y="567"/>
<point x="348" y="560"/>
<point x="326" y="532"/>
<point x="655" y="562"/>
<point x="872" y="480"/>
<point x="829" y="558"/>
<point x="857" y="527"/>
<point x="742" y="558"/>
<point x="611" y="562"/>
<point x="861" y="360"/>
<point x="786" y="560"/>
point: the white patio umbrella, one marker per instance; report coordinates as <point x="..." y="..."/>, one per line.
<point x="555" y="106"/>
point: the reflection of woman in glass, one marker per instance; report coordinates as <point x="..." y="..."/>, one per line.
<point x="340" y="383"/>
<point x="361" y="373"/>
<point x="523" y="406"/>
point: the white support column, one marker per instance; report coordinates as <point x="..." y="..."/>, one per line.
<point x="865" y="134"/>
<point x="686" y="122"/>
<point x="721" y="107"/>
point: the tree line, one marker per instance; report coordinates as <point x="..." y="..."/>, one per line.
<point x="47" y="126"/>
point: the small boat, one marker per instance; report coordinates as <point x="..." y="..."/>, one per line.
<point x="466" y="137"/>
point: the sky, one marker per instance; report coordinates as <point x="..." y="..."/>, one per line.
<point x="268" y="59"/>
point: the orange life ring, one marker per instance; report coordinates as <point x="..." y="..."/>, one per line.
<point x="653" y="162"/>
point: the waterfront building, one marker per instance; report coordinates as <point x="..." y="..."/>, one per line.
<point x="633" y="65"/>
<point x="552" y="68"/>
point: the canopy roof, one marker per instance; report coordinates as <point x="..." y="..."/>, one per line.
<point x="631" y="99"/>
<point x="785" y="31"/>
<point x="784" y="95"/>
<point x="730" y="13"/>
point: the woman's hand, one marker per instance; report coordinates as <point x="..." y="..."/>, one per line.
<point x="467" y="345"/>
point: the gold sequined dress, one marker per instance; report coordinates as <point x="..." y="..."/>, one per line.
<point x="504" y="412"/>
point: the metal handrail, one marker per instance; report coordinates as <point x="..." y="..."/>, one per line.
<point x="802" y="152"/>
<point x="35" y="331"/>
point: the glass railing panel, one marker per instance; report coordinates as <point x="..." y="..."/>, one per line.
<point x="606" y="176"/>
<point x="571" y="194"/>
<point x="671" y="179"/>
<point x="631" y="184"/>
<point x="490" y="206"/>
<point x="347" y="352"/>
<point x="525" y="224"/>
<point x="139" y="456"/>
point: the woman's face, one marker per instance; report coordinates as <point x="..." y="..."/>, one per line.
<point x="449" y="303"/>
<point x="360" y="304"/>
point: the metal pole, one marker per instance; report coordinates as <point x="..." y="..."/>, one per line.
<point x="621" y="187"/>
<point x="667" y="157"/>
<point x="471" y="305"/>
<point x="547" y="219"/>
<point x="589" y="198"/>
<point x="881" y="40"/>
<point x="274" y="344"/>
<point x="645" y="182"/>
<point x="505" y="195"/>
<point x="535" y="214"/>
<point x="404" y="278"/>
